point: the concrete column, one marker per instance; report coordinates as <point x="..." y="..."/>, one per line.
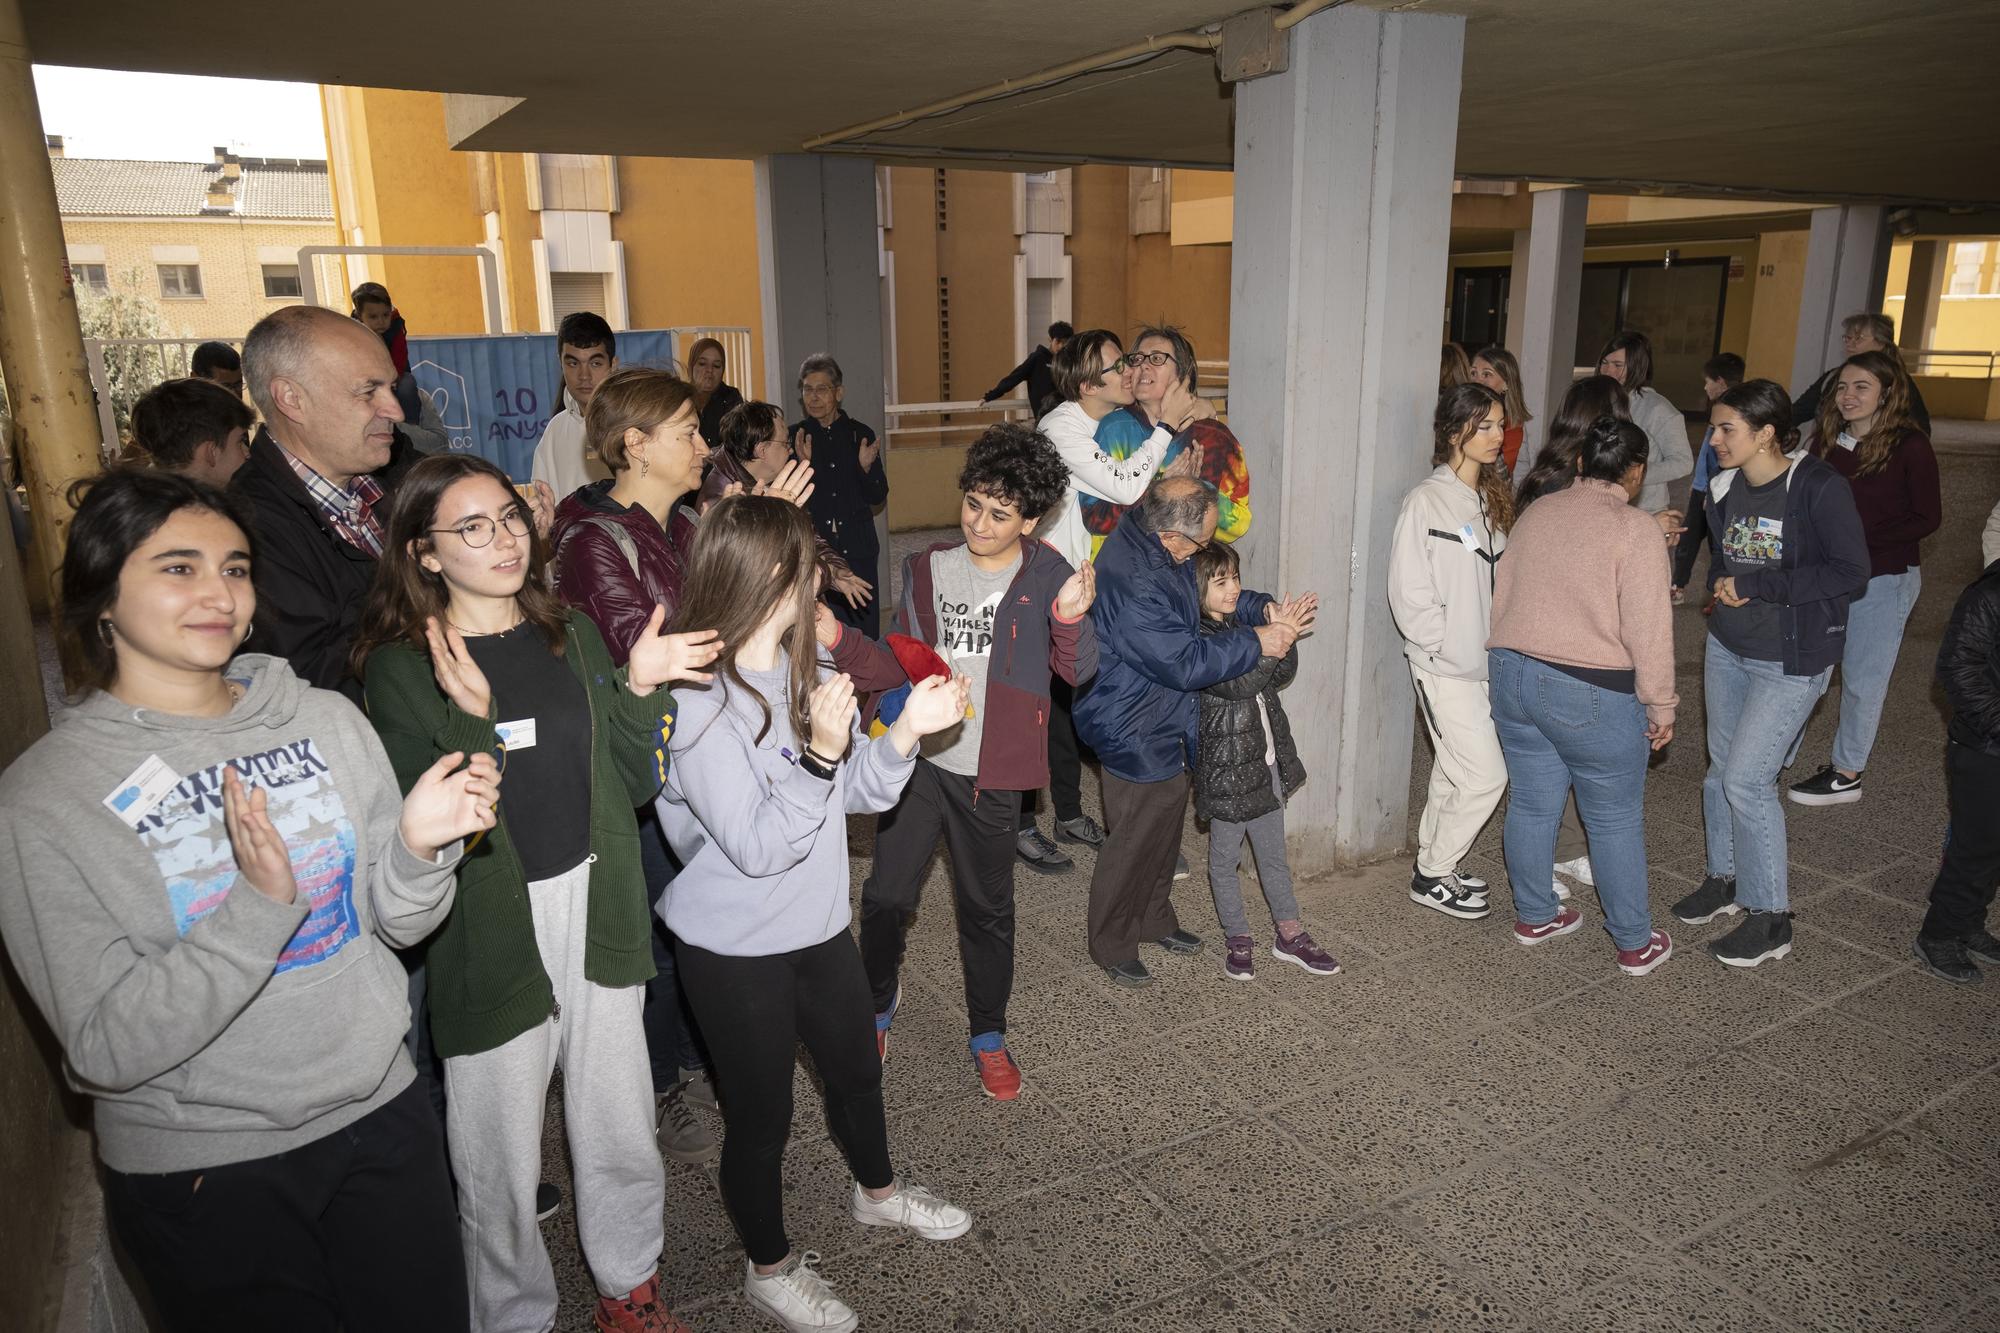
<point x="1342" y="216"/>
<point x="1517" y="292"/>
<point x="1929" y="268"/>
<point x="41" y="343"/>
<point x="1548" y="305"/>
<point x="819" y="268"/>
<point x="1847" y="265"/>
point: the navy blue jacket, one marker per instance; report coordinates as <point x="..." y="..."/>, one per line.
<point x="1825" y="564"/>
<point x="1153" y="661"/>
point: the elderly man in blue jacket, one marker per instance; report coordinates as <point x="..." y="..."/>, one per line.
<point x="1140" y="712"/>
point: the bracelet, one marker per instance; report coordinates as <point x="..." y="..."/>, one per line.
<point x="816" y="765"/>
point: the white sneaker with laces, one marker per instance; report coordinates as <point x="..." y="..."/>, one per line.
<point x="798" y="1297"/>
<point x="1578" y="870"/>
<point x="914" y="1207"/>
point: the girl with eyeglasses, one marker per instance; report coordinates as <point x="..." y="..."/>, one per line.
<point x="545" y="955"/>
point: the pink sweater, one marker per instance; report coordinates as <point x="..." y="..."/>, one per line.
<point x="1584" y="583"/>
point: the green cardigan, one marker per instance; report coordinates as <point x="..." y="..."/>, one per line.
<point x="486" y="980"/>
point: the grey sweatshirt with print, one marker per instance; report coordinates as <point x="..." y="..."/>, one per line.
<point x="208" y="1023"/>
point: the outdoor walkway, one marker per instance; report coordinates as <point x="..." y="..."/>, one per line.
<point x="1456" y="1132"/>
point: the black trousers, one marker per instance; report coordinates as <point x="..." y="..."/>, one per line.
<point x="673" y="1043"/>
<point x="1131" y="891"/>
<point x="356" y="1230"/>
<point x="867" y="619"/>
<point x="1963" y="891"/>
<point x="1065" y="760"/>
<point x="1691" y="540"/>
<point x="756" y="1011"/>
<point x="978" y="831"/>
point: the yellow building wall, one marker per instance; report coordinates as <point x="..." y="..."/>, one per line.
<point x="689" y="227"/>
<point x="1774" y="322"/>
<point x="1099" y="244"/>
<point x="232" y="277"/>
<point x="976" y="251"/>
<point x="520" y="228"/>
<point x="913" y="242"/>
<point x="1185" y="285"/>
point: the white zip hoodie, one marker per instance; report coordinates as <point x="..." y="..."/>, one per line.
<point x="1441" y="561"/>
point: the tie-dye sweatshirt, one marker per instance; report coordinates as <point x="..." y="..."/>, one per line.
<point x="1223" y="466"/>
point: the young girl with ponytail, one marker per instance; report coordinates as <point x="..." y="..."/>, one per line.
<point x="1448" y="538"/>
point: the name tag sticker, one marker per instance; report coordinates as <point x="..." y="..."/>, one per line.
<point x="517" y="735"/>
<point x="134" y="798"/>
<point x="1773" y="526"/>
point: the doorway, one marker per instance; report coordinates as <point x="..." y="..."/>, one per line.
<point x="1479" y="307"/>
<point x="1679" y="307"/>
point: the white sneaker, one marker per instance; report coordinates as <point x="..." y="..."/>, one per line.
<point x="914" y="1207"/>
<point x="798" y="1297"/>
<point x="1578" y="870"/>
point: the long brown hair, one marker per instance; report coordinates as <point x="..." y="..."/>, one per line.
<point x="1589" y="398"/>
<point x="731" y="588"/>
<point x="1460" y="409"/>
<point x="1453" y="367"/>
<point x="405" y="595"/>
<point x="1503" y="361"/>
<point x="1893" y="418"/>
<point x="637" y="398"/>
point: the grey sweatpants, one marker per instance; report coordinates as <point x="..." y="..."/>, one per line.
<point x="1266" y="835"/>
<point x="493" y="1118"/>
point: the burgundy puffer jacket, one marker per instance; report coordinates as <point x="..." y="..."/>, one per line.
<point x="594" y="575"/>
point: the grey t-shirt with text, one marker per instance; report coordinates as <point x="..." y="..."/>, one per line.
<point x="966" y="600"/>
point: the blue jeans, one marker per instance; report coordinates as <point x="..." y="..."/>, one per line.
<point x="1559" y="732"/>
<point x="1755" y="713"/>
<point x="1874" y="637"/>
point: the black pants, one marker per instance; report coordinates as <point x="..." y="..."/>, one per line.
<point x="756" y="1011"/>
<point x="978" y="831"/>
<point x="353" y="1231"/>
<point x="672" y="1041"/>
<point x="1963" y="890"/>
<point x="1131" y="891"/>
<point x="867" y="619"/>
<point x="1691" y="540"/>
<point x="1065" y="760"/>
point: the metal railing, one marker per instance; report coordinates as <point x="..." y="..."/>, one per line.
<point x="1957" y="365"/>
<point x="141" y="363"/>
<point x="933" y="428"/>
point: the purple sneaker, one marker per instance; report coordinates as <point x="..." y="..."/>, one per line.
<point x="1300" y="949"/>
<point x="1238" y="965"/>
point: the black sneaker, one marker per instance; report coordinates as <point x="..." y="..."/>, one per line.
<point x="1083" y="831"/>
<point x="547" y="1199"/>
<point x="1762" y="937"/>
<point x="1132" y="974"/>
<point x="1033" y="846"/>
<point x="1181" y="941"/>
<point x="1444" y="895"/>
<point x="1716" y="897"/>
<point x="1829" y="786"/>
<point x="1983" y="947"/>
<point x="1946" y="960"/>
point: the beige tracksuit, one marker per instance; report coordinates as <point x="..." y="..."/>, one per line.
<point x="1441" y="563"/>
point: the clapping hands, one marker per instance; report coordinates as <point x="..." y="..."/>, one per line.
<point x="1285" y="623"/>
<point x="659" y="659"/>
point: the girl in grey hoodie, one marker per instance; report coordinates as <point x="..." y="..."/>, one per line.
<point x="767" y="763"/>
<point x="202" y="868"/>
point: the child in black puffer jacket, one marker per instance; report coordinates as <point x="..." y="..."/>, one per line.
<point x="1245" y="770"/>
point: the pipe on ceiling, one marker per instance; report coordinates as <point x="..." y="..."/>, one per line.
<point x="1186" y="40"/>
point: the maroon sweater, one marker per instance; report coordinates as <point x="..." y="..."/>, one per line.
<point x="1899" y="505"/>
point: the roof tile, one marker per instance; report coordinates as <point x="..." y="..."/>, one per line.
<point x="278" y="188"/>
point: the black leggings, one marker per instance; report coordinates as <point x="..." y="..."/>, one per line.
<point x="755" y="1011"/>
<point x="1689" y="545"/>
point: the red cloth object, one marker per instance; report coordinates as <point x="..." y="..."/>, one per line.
<point x="399" y="346"/>
<point x="918" y="659"/>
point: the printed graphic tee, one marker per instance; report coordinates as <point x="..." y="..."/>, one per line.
<point x="1752" y="536"/>
<point x="966" y="600"/>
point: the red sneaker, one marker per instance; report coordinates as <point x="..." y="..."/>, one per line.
<point x="639" y="1311"/>
<point x="999" y="1076"/>
<point x="1566" y="920"/>
<point x="1638" y="962"/>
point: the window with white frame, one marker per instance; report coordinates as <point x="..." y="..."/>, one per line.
<point x="180" y="282"/>
<point x="281" y="282"/>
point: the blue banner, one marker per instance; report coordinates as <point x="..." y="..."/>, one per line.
<point x="495" y="394"/>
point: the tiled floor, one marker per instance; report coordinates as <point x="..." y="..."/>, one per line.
<point x="1455" y="1133"/>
